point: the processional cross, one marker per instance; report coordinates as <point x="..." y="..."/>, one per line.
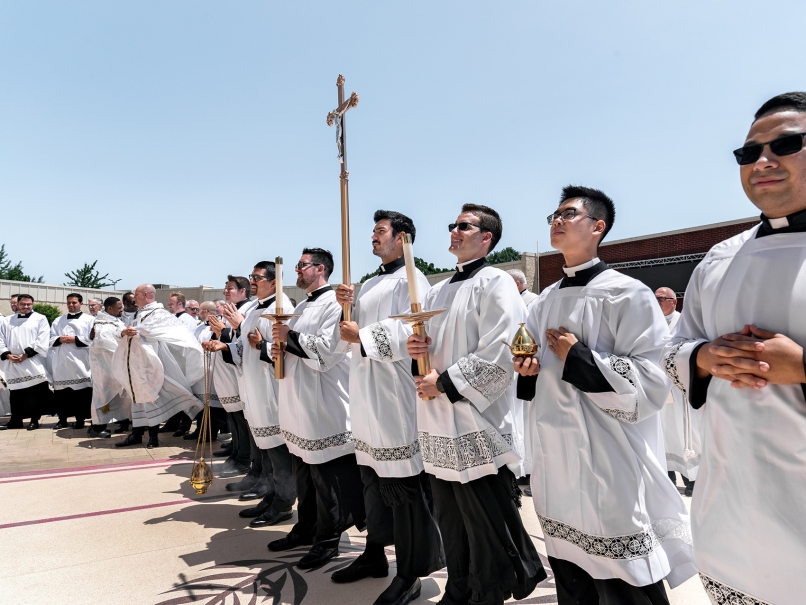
<point x="337" y="117"/>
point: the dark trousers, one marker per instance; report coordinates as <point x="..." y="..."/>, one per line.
<point x="576" y="586"/>
<point x="72" y="402"/>
<point x="490" y="556"/>
<point x="400" y="512"/>
<point x="242" y="439"/>
<point x="682" y="476"/>
<point x="329" y="498"/>
<point x="30" y="402"/>
<point x="277" y="468"/>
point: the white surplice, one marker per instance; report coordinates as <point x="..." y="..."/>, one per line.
<point x="599" y="481"/>
<point x="70" y="362"/>
<point x="20" y="333"/>
<point x="5" y="399"/>
<point x="522" y="408"/>
<point x="477" y="434"/>
<point x="127" y="318"/>
<point x="227" y="378"/>
<point x="159" y="366"/>
<point x="383" y="398"/>
<point x="257" y="374"/>
<point x="314" y="403"/>
<point x="203" y="333"/>
<point x="748" y="507"/>
<point x="186" y="319"/>
<point x="680" y="428"/>
<point x="110" y="400"/>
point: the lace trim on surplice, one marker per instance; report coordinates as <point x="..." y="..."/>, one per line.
<point x="484" y="376"/>
<point x="383" y="341"/>
<point x="265" y="431"/>
<point x="466" y="451"/>
<point x="388" y="454"/>
<point x="669" y="366"/>
<point x="722" y="594"/>
<point x="317" y="445"/>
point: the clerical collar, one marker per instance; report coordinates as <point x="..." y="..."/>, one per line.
<point x="312" y="296"/>
<point x="24" y="316"/>
<point x="582" y="274"/>
<point x="264" y="303"/>
<point x="74" y="315"/>
<point x="241" y="303"/>
<point x="181" y="313"/>
<point x="571" y="271"/>
<point x="793" y="223"/>
<point x="468" y="269"/>
<point x="669" y="317"/>
<point x="392" y="267"/>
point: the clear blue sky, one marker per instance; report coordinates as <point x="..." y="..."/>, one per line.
<point x="179" y="141"/>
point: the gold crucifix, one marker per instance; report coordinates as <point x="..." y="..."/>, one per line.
<point x="337" y="117"/>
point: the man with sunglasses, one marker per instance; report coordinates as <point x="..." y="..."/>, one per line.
<point x="249" y="351"/>
<point x="383" y="413"/>
<point x="738" y="354"/>
<point x="466" y="432"/>
<point x="614" y="526"/>
<point x="315" y="417"/>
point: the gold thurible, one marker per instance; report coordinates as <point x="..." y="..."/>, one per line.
<point x="523" y="344"/>
<point x="201" y="477"/>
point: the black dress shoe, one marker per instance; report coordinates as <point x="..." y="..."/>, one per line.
<point x="689" y="491"/>
<point x="93" y="433"/>
<point x="400" y="592"/>
<point x="259" y="491"/>
<point x="292" y="540"/>
<point x="33" y="426"/>
<point x="362" y="568"/>
<point x="132" y="439"/>
<point x="319" y="555"/>
<point x="222" y="453"/>
<point x="192" y="436"/>
<point x="105" y="434"/>
<point x="244" y="485"/>
<point x="527" y="490"/>
<point x="271" y="517"/>
<point x="179" y="432"/>
<point x="256" y="511"/>
<point x="232" y="468"/>
<point x="123" y="428"/>
<point x="78" y="425"/>
<point x="61" y="425"/>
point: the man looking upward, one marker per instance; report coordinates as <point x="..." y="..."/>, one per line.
<point x="614" y="526"/>
<point x="383" y="412"/>
<point x="738" y="354"/>
<point x="466" y="431"/>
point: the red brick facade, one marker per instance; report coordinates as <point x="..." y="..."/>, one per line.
<point x="659" y="245"/>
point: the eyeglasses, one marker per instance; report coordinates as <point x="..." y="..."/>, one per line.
<point x="463" y="226"/>
<point x="301" y="265"/>
<point x="567" y="215"/>
<point x="193" y="308"/>
<point x="662" y="298"/>
<point x="785" y="145"/>
<point x="256" y="277"/>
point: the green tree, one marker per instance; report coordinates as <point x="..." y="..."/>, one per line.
<point x="9" y="270"/>
<point x="428" y="268"/>
<point x="49" y="311"/>
<point x="89" y="277"/>
<point x="507" y="255"/>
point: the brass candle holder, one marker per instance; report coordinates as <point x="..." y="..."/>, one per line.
<point x="417" y="319"/>
<point x="523" y="344"/>
<point x="279" y="317"/>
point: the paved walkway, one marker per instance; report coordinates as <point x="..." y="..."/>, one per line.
<point x="85" y="522"/>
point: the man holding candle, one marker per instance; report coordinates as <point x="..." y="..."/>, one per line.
<point x="315" y="417"/>
<point x="383" y="410"/>
<point x="466" y="431"/>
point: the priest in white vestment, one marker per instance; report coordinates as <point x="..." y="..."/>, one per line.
<point x="250" y="353"/>
<point x="468" y="432"/>
<point x="176" y="305"/>
<point x="383" y="413"/>
<point x="681" y="436"/>
<point x="110" y="400"/>
<point x="23" y="348"/>
<point x="738" y="355"/>
<point x="157" y="362"/>
<point x="613" y="523"/>
<point x="5" y="399"/>
<point x="69" y="358"/>
<point x="315" y="417"/>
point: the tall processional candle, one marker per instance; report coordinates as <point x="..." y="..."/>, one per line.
<point x="279" y="363"/>
<point x="423" y="364"/>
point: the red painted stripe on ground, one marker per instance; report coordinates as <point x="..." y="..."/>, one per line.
<point x="87" y="468"/>
<point x="98" y="472"/>
<point x="113" y="511"/>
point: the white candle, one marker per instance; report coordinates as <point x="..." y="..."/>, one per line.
<point x="411" y="275"/>
<point x="278" y="275"/>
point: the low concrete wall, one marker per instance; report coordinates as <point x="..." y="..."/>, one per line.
<point x="48" y="293"/>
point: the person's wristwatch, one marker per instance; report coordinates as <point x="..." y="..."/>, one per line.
<point x="440" y="388"/>
<point x="261" y="344"/>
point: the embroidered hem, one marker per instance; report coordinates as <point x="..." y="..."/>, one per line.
<point x="722" y="594"/>
<point x="388" y="454"/>
<point x="316" y="445"/>
<point x="466" y="451"/>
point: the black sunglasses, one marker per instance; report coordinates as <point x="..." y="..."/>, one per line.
<point x="463" y="226"/>
<point x="786" y="145"/>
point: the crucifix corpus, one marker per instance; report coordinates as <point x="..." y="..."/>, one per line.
<point x="337" y="117"/>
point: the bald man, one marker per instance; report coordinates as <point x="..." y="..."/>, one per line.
<point x="159" y="385"/>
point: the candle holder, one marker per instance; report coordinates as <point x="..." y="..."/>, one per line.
<point x="417" y="319"/>
<point x="279" y="317"/>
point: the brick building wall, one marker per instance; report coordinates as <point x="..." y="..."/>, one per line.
<point x="659" y="245"/>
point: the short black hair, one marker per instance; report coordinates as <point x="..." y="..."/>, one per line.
<point x="320" y="256"/>
<point x="489" y="220"/>
<point x="269" y="267"/>
<point x="400" y="222"/>
<point x="75" y="295"/>
<point x="788" y="100"/>
<point x="13" y="296"/>
<point x="111" y="302"/>
<point x="242" y="283"/>
<point x="595" y="202"/>
<point x="28" y="296"/>
<point x="127" y="294"/>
